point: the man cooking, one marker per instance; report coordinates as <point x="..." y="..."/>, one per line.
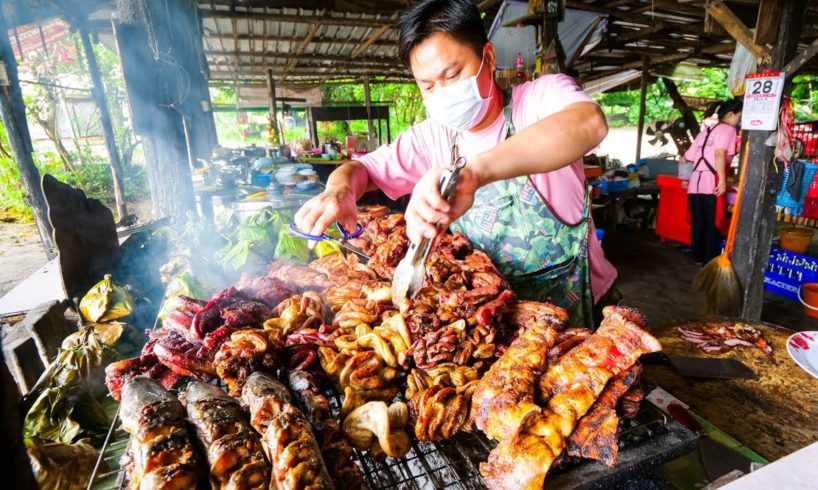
<point x="521" y="197"/>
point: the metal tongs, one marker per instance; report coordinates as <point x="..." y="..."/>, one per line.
<point x="411" y="271"/>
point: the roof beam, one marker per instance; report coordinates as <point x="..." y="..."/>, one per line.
<point x="316" y="40"/>
<point x="668" y="5"/>
<point x="310" y="34"/>
<point x="487" y="4"/>
<point x="722" y="14"/>
<point x="376" y="34"/>
<point x="658" y="60"/>
<point x="645" y="31"/>
<point x="327" y="18"/>
<point x="799" y="61"/>
<point x="318" y="58"/>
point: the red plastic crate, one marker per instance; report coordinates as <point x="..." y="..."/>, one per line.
<point x="673" y="217"/>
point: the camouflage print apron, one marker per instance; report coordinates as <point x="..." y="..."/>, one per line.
<point x="543" y="258"/>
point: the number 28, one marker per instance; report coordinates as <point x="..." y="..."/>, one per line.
<point x="759" y="87"/>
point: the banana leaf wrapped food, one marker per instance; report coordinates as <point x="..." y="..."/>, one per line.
<point x="106" y="301"/>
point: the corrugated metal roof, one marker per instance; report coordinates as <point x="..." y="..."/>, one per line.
<point x="298" y="44"/>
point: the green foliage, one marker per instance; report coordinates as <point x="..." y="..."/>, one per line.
<point x="622" y="108"/>
<point x="805" y="97"/>
<point x="85" y="167"/>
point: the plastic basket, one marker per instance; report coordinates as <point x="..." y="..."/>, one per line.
<point x="786" y="272"/>
<point x="785" y="200"/>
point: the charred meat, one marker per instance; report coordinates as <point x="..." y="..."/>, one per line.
<point x="233" y="448"/>
<point x="285" y="434"/>
<point x="161" y="452"/>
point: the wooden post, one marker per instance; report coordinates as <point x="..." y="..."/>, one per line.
<point x="13" y="114"/>
<point x="757" y="219"/>
<point x="643" y="95"/>
<point x="98" y="91"/>
<point x="160" y="46"/>
<point x="551" y="53"/>
<point x="271" y="94"/>
<point x="687" y="114"/>
<point x="370" y="127"/>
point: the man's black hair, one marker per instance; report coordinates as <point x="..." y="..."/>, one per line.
<point x="728" y="106"/>
<point x="458" y="18"/>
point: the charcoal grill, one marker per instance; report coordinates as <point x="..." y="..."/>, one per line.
<point x="646" y="441"/>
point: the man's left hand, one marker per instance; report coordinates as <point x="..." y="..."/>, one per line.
<point x="427" y="209"/>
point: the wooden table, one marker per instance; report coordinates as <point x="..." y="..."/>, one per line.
<point x="775" y="415"/>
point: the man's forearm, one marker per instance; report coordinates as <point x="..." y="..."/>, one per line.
<point x="351" y="175"/>
<point x="549" y="144"/>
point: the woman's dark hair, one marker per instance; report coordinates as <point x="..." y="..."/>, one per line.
<point x="728" y="106"/>
<point x="458" y="18"/>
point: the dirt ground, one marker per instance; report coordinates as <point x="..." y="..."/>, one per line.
<point x="21" y="253"/>
<point x="657" y="278"/>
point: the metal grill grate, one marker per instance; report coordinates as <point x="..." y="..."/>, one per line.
<point x="454" y="464"/>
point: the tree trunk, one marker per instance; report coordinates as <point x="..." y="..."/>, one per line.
<point x="98" y="91"/>
<point x="13" y="114"/>
<point x="143" y="28"/>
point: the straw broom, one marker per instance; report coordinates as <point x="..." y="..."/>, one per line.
<point x="717" y="279"/>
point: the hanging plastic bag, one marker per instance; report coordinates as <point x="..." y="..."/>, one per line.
<point x="744" y="62"/>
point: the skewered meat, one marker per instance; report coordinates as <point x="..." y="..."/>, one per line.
<point x="296" y="277"/>
<point x="569" y="388"/>
<point x="233" y="448"/>
<point x="718" y="337"/>
<point x="161" y="453"/>
<point x="504" y="399"/>
<point x="379" y="429"/>
<point x="286" y="436"/>
<point x="337" y="452"/>
<point x="595" y="435"/>
<point x="245" y="352"/>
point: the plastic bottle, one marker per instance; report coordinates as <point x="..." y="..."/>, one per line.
<point x="518" y="63"/>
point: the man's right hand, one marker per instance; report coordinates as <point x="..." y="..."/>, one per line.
<point x="336" y="203"/>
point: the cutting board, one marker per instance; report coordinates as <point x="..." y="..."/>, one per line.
<point x="774" y="415"/>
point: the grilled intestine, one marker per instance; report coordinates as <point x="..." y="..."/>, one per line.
<point x="567" y="391"/>
<point x="465" y="354"/>
<point x="161" y="453"/>
<point x="233" y="448"/>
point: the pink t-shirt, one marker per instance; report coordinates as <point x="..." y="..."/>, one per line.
<point x="722" y="137"/>
<point x="395" y="168"/>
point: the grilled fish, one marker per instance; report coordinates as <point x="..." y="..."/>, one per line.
<point x="160" y="454"/>
<point x="338" y="454"/>
<point x="286" y="436"/>
<point x="233" y="448"/>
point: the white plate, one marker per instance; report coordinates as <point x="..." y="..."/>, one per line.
<point x="803" y="348"/>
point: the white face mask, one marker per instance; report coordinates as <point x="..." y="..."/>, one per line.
<point x="459" y="105"/>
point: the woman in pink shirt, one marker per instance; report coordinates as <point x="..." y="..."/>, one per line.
<point x="521" y="196"/>
<point x="710" y="154"/>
